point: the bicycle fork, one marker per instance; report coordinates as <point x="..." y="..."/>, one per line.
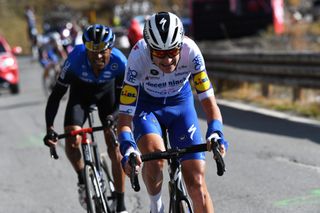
<point x="177" y="189"/>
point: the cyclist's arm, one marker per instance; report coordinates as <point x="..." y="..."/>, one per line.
<point x="124" y="123"/>
<point x="53" y="104"/>
<point x="211" y="109"/>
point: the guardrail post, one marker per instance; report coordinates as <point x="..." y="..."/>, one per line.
<point x="296" y="93"/>
<point x="265" y="90"/>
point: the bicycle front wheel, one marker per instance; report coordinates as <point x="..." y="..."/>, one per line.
<point x="90" y="189"/>
<point x="95" y="199"/>
<point x="109" y="189"/>
<point x="184" y="206"/>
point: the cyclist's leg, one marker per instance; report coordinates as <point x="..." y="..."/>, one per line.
<point x="106" y="106"/>
<point x="185" y="131"/>
<point x="75" y="116"/>
<point x="149" y="140"/>
<point x="194" y="177"/>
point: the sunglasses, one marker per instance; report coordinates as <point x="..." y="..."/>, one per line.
<point x="90" y="45"/>
<point x="163" y="53"/>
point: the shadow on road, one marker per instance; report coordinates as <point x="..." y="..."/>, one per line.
<point x="262" y="123"/>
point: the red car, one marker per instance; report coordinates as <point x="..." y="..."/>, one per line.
<point x="9" y="70"/>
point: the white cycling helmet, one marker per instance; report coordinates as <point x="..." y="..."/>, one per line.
<point x="163" y="31"/>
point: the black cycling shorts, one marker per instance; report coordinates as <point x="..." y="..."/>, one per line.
<point x="80" y="101"/>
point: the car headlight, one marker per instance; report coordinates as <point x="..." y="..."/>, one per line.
<point x="8" y="62"/>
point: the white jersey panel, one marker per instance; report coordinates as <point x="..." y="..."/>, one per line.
<point x="141" y="71"/>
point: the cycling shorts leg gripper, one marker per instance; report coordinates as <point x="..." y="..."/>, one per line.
<point x="146" y="123"/>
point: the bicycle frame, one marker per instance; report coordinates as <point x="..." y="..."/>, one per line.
<point x="93" y="165"/>
<point x="177" y="191"/>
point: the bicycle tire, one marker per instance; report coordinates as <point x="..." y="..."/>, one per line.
<point x="90" y="191"/>
<point x="109" y="189"/>
<point x="95" y="198"/>
<point x="185" y="206"/>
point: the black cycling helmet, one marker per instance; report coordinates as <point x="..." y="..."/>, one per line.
<point x="98" y="37"/>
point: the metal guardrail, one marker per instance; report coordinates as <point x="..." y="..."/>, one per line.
<point x="291" y="69"/>
<point x="294" y="69"/>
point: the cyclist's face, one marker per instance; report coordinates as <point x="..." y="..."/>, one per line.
<point x="99" y="60"/>
<point x="166" y="60"/>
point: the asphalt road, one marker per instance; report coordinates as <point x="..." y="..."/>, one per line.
<point x="273" y="164"/>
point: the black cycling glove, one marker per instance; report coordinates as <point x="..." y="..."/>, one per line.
<point x="51" y="135"/>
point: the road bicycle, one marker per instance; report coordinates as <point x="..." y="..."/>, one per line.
<point x="179" y="199"/>
<point x="99" y="183"/>
<point x="49" y="80"/>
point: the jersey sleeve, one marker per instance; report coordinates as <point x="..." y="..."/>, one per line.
<point x="131" y="84"/>
<point x="201" y="81"/>
<point x="64" y="78"/>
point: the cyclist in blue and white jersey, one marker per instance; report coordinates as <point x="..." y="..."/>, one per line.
<point x="157" y="92"/>
<point x="94" y="72"/>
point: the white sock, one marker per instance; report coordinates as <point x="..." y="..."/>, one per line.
<point x="156" y="204"/>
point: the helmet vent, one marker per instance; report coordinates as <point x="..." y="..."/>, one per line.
<point x="153" y="37"/>
<point x="174" y="37"/>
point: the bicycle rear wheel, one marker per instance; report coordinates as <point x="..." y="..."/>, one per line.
<point x="95" y="199"/>
<point x="109" y="189"/>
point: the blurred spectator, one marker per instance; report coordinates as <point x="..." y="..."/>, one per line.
<point x="31" y="29"/>
<point x="51" y="53"/>
<point x="134" y="32"/>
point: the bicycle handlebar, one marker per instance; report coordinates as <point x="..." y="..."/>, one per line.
<point x="53" y="151"/>
<point x="176" y="152"/>
<point x="133" y="176"/>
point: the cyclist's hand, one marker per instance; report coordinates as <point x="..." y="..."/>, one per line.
<point x="126" y="165"/>
<point x="222" y="142"/>
<point x="51" y="138"/>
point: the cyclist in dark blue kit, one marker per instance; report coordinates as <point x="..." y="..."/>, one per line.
<point x="94" y="72"/>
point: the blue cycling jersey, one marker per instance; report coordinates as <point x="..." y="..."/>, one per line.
<point x="86" y="88"/>
<point x="77" y="65"/>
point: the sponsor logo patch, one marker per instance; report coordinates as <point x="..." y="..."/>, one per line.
<point x="198" y="63"/>
<point x="114" y="66"/>
<point x="128" y="95"/>
<point x="131" y="75"/>
<point x="201" y="82"/>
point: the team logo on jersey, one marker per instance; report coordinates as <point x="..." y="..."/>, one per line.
<point x="107" y="74"/>
<point x="128" y="95"/>
<point x="65" y="67"/>
<point x="114" y="66"/>
<point x="201" y="81"/>
<point x="154" y="72"/>
<point x="131" y="75"/>
<point x="136" y="47"/>
<point x="198" y="62"/>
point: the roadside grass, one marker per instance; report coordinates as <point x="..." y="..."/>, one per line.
<point x="280" y="99"/>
